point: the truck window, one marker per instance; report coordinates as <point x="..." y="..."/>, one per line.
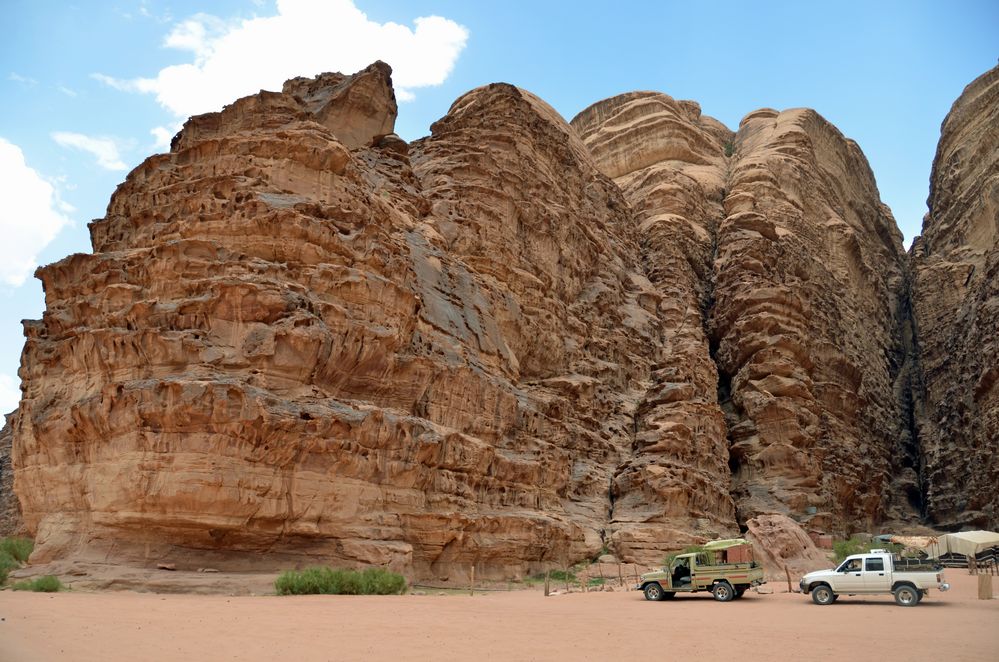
<point x="874" y="564"/>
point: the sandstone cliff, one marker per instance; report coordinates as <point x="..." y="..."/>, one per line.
<point x="315" y="346"/>
<point x="956" y="308"/>
<point x="11" y="522"/>
<point x="513" y="343"/>
<point x="784" y="272"/>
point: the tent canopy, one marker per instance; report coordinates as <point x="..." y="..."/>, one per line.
<point x="968" y="543"/>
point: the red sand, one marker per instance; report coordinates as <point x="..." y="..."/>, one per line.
<point x="520" y="625"/>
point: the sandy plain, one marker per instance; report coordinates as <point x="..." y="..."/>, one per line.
<point x="516" y="625"/>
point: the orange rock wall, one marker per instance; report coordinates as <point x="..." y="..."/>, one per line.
<point x="955" y="295"/>
<point x="513" y="343"/>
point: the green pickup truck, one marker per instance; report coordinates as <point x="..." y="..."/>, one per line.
<point x="724" y="567"/>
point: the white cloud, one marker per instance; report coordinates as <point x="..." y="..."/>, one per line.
<point x="104" y="149"/>
<point x="164" y="134"/>
<point x="10" y="395"/>
<point x="18" y="78"/>
<point x="67" y="91"/>
<point x="30" y="217"/>
<point x="305" y="38"/>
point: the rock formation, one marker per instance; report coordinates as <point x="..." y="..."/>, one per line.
<point x="783" y="272"/>
<point x="955" y="296"/>
<point x="783" y="548"/>
<point x="513" y="343"/>
<point x="420" y="356"/>
<point x="10" y="510"/>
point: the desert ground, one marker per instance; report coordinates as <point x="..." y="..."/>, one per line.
<point x="516" y="625"/>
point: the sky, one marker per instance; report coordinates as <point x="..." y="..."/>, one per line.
<point x="90" y="89"/>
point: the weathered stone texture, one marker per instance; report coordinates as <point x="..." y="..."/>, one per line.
<point x="956" y="308"/>
<point x="11" y="522"/>
<point x="668" y="160"/>
<point x="510" y="344"/>
<point x="809" y="270"/>
<point x="783" y="271"/>
<point x="284" y="345"/>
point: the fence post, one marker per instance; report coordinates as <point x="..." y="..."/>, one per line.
<point x="548" y="576"/>
<point x="471" y="585"/>
<point x="620" y="576"/>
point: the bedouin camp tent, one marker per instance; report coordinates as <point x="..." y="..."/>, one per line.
<point x="968" y="543"/>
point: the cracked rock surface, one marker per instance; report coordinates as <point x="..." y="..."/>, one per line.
<point x="514" y="343"/>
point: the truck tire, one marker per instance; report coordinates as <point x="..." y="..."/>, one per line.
<point x="654" y="592"/>
<point x="906" y="596"/>
<point x="723" y="591"/>
<point x="823" y="595"/>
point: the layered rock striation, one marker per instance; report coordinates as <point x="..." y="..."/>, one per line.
<point x="10" y="509"/>
<point x="955" y="295"/>
<point x="348" y="349"/>
<point x="784" y="272"/>
<point x="512" y="344"/>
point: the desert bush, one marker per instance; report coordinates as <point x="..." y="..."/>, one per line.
<point x="729" y="149"/>
<point x="17" y="548"/>
<point x="13" y="553"/>
<point x="6" y="565"/>
<point x="844" y="548"/>
<point x="333" y="581"/>
<point x="46" y="584"/>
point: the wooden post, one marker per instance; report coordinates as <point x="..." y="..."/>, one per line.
<point x="471" y="585"/>
<point x="600" y="569"/>
<point x="548" y="577"/>
<point x="984" y="587"/>
<point x="566" y="571"/>
<point x="586" y="579"/>
<point x="787" y="573"/>
<point x="620" y="576"/>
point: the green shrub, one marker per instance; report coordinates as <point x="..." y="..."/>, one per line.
<point x="330" y="581"/>
<point x="845" y="548"/>
<point x="17" y="548"/>
<point x="13" y="553"/>
<point x="6" y="565"/>
<point x="729" y="149"/>
<point x="46" y="584"/>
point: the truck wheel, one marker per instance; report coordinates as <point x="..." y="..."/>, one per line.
<point x="723" y="591"/>
<point x="823" y="595"/>
<point x="654" y="592"/>
<point x="906" y="596"/>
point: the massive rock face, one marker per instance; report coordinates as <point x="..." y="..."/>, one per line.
<point x="956" y="309"/>
<point x="10" y="509"/>
<point x="284" y="345"/>
<point x="783" y="272"/>
<point x="510" y="344"/>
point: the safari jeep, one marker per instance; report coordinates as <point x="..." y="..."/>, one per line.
<point x="724" y="567"/>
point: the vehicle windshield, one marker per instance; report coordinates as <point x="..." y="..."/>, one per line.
<point x="849" y="565"/>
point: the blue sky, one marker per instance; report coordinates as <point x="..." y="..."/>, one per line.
<point x="90" y="89"/>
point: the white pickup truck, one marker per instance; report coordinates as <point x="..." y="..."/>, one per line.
<point x="875" y="572"/>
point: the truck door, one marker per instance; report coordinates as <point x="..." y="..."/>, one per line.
<point x="875" y="575"/>
<point x="851" y="578"/>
